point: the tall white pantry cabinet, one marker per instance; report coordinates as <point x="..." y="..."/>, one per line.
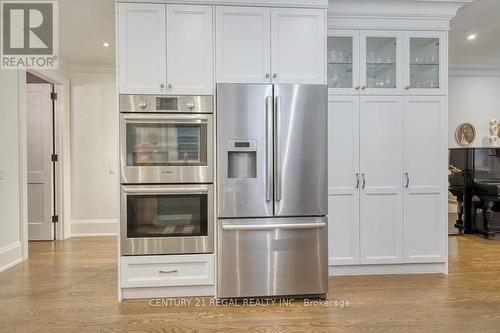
<point x="388" y="149"/>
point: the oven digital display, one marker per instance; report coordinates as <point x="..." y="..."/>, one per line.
<point x="167" y="103"/>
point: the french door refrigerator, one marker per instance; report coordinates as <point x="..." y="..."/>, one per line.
<point x="272" y="190"/>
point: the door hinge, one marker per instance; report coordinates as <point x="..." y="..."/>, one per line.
<point x="55" y="218"/>
<point x="53" y="96"/>
<point x="54" y="157"/>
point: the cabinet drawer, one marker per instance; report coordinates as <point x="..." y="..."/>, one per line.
<point x="162" y="271"/>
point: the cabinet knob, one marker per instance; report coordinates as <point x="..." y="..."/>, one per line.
<point x="407" y="87"/>
<point x="357" y="87"/>
<point x="363" y="87"/>
<point x="170" y="85"/>
<point x="162" y="85"/>
<point x="268" y="75"/>
<point x="275" y="75"/>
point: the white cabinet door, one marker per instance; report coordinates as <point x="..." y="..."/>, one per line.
<point x="381" y="62"/>
<point x="298" y="39"/>
<point x="381" y="159"/>
<point x="243" y="46"/>
<point x="343" y="180"/>
<point x="141" y="48"/>
<point x="189" y="50"/>
<point x="425" y="168"/>
<point x="426" y="64"/>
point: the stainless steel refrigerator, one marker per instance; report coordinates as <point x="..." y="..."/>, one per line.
<point x="272" y="190"/>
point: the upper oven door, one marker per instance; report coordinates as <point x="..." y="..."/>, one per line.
<point x="166" y="148"/>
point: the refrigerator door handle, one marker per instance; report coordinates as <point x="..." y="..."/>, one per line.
<point x="277" y="133"/>
<point x="314" y="225"/>
<point x="269" y="147"/>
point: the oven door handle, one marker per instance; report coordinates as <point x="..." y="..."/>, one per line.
<point x="171" y="118"/>
<point x="314" y="225"/>
<point x="170" y="190"/>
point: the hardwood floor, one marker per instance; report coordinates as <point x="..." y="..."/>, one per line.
<point x="70" y="286"/>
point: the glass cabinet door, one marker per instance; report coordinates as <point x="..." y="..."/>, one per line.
<point x="343" y="61"/>
<point x="381" y="68"/>
<point x="424" y="70"/>
<point x="381" y="62"/>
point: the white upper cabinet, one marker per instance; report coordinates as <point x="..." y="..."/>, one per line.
<point x="141" y="48"/>
<point x="298" y="45"/>
<point x="243" y="46"/>
<point x="425" y="178"/>
<point x="189" y="50"/>
<point x="343" y="62"/>
<point x="381" y="62"/>
<point x="425" y="63"/>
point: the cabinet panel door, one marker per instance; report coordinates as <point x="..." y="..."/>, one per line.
<point x="343" y="180"/>
<point x="298" y="39"/>
<point x="243" y="46"/>
<point x="425" y="166"/>
<point x="381" y="66"/>
<point x="189" y="51"/>
<point x="381" y="164"/>
<point x="141" y="48"/>
<point x="426" y="65"/>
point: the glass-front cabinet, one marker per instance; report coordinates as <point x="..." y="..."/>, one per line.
<point x="386" y="62"/>
<point x="425" y="63"/>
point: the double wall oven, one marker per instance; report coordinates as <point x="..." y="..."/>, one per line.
<point x="166" y="157"/>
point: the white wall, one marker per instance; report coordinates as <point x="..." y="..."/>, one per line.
<point x="474" y="99"/>
<point x="10" y="205"/>
<point x="94" y="199"/>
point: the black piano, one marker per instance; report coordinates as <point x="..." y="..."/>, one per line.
<point x="475" y="181"/>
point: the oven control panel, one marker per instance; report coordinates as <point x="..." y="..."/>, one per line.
<point x="166" y="104"/>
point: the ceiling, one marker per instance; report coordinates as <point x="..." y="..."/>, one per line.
<point x="85" y="24"/>
<point x="482" y="17"/>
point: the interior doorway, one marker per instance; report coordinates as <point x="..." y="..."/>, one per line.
<point x="41" y="158"/>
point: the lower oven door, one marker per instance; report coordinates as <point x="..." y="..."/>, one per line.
<point x="272" y="257"/>
<point x="166" y="148"/>
<point x="167" y="219"/>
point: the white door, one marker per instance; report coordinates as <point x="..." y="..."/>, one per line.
<point x="425" y="178"/>
<point x="189" y="50"/>
<point x="343" y="180"/>
<point x="243" y="46"/>
<point x="298" y="38"/>
<point x="381" y="66"/>
<point x="39" y="133"/>
<point x="381" y="165"/>
<point x="426" y="64"/>
<point x="142" y="57"/>
<point x="343" y="62"/>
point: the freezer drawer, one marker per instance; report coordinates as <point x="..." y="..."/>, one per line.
<point x="272" y="257"/>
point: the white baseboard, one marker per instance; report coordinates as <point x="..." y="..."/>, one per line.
<point x="10" y="255"/>
<point x="416" y="268"/>
<point x="165" y="292"/>
<point x="94" y="228"/>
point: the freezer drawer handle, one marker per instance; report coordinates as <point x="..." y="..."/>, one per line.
<point x="168" y="272"/>
<point x="314" y="225"/>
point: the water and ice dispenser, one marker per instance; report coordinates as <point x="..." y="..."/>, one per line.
<point x="241" y="159"/>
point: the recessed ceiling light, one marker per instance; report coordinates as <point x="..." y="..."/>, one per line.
<point x="105" y="44"/>
<point x="471" y="37"/>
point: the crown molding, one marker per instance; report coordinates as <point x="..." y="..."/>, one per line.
<point x="89" y="69"/>
<point x="391" y="14"/>
<point x="265" y="3"/>
<point x="474" y="71"/>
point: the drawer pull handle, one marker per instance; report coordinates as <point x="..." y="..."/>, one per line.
<point x="167" y="272"/>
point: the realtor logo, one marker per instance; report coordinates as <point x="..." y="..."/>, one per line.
<point x="29" y="35"/>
